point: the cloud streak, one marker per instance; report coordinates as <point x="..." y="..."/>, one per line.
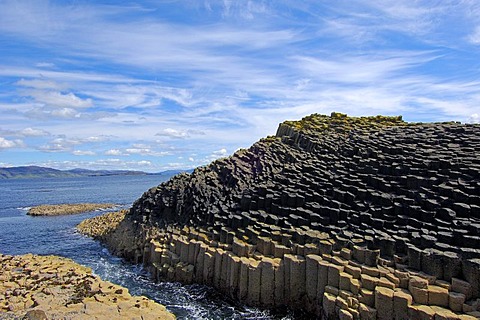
<point x="170" y="89"/>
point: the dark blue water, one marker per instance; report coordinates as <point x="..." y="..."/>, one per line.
<point x="20" y="234"/>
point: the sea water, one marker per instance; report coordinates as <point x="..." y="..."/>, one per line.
<point x="56" y="235"/>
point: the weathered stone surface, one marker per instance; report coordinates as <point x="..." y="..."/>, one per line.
<point x="70" y="208"/>
<point x="50" y="287"/>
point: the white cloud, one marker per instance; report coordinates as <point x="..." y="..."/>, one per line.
<point x="109" y="164"/>
<point x="474" y="38"/>
<point x="173" y="133"/>
<point x="41" y="83"/>
<point x="115" y="152"/>
<point x="45" y="65"/>
<point x="65" y="144"/>
<point x="83" y="153"/>
<point x="474" y="118"/>
<point x="66" y="113"/>
<point x="222" y="152"/>
<point x="32" y="132"/>
<point x="179" y="133"/>
<point x="59" y="145"/>
<point x="59" y="100"/>
<point x="6" y="165"/>
<point x="147" y="152"/>
<point x="227" y="83"/>
<point x="7" y="144"/>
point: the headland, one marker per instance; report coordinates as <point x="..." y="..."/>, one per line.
<point x="344" y="217"/>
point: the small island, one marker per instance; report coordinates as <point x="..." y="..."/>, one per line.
<point x="62" y="209"/>
<point x="51" y="287"/>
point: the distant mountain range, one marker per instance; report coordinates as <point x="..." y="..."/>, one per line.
<point x="30" y="172"/>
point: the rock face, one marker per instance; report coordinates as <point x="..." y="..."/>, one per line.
<point x="50" y="287"/>
<point x="73" y="208"/>
<point x="347" y="218"/>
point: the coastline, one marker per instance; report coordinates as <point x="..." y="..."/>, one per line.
<point x="52" y="287"/>
<point x="63" y="209"/>
<point x="324" y="218"/>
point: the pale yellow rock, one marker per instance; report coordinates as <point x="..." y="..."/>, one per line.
<point x="267" y="282"/>
<point x="420" y="312"/>
<point x="444" y="314"/>
<point x="420" y="296"/>
<point x="384" y="303"/>
<point x="437" y="296"/>
<point x="345" y="280"/>
<point x="328" y="304"/>
<point x="280" y="283"/>
<point x="312" y="262"/>
<point x="371" y="271"/>
<point x="368" y="282"/>
<point x="366" y="312"/>
<point x="334" y="275"/>
<point x="63" y="289"/>
<point x="254" y="282"/>
<point x="354" y="271"/>
<point x="401" y="300"/>
<point x="297" y="278"/>
<point x="59" y="209"/>
<point x="322" y="279"/>
<point x="243" y="279"/>
<point x="417" y="282"/>
<point x="355" y="286"/>
<point x="344" y="315"/>
<point x="384" y="282"/>
<point x="367" y="297"/>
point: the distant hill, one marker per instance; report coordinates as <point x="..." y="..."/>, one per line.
<point x="32" y="172"/>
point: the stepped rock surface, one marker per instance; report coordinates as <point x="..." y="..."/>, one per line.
<point x="344" y="217"/>
<point x="50" y="287"/>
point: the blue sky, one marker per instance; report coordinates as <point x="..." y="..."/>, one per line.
<point x="158" y="85"/>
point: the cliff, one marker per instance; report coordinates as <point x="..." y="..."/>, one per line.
<point x="344" y="217"/>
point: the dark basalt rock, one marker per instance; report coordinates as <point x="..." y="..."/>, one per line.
<point x="397" y="195"/>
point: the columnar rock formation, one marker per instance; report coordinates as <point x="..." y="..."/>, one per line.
<point x="50" y="287"/>
<point x="347" y="218"/>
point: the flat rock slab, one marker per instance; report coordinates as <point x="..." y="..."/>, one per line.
<point x="51" y="287"/>
<point x="73" y="208"/>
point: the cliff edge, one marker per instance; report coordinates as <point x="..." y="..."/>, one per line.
<point x="345" y="217"/>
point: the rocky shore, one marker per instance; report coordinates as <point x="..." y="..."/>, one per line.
<point x="73" y="208"/>
<point x="343" y="217"/>
<point x="101" y="226"/>
<point x="50" y="287"/>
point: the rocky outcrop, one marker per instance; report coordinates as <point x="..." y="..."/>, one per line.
<point x="101" y="226"/>
<point x="347" y="218"/>
<point x="50" y="287"/>
<point x="72" y="208"/>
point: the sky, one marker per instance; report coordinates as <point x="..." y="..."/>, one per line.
<point x="160" y="85"/>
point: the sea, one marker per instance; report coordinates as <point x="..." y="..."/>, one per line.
<point x="57" y="235"/>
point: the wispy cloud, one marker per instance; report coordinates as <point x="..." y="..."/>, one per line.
<point x="83" y="153"/>
<point x="165" y="86"/>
